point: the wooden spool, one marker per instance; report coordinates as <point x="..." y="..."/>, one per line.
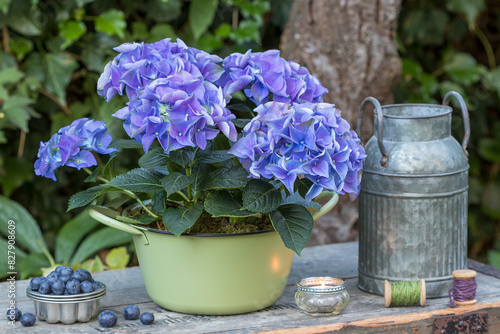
<point x="388" y="293"/>
<point x="464" y="274"/>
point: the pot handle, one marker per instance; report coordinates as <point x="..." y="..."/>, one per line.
<point x="378" y="112"/>
<point x="465" y="116"/>
<point x="105" y="216"/>
<point x="328" y="205"/>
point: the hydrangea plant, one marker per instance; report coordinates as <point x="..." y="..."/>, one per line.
<point x="205" y="154"/>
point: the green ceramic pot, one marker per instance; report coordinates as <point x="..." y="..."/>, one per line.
<point x="216" y="274"/>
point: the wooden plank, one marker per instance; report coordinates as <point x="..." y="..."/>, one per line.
<point x="365" y="313"/>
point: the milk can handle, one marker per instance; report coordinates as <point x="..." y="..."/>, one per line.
<point x="378" y="112"/>
<point x="465" y="116"/>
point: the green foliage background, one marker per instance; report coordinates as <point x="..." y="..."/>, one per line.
<point x="52" y="52"/>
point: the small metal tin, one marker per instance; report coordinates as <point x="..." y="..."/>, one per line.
<point x="67" y="309"/>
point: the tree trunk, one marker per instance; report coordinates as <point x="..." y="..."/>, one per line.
<point x="350" y="46"/>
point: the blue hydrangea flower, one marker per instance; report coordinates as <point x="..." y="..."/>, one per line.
<point x="265" y="76"/>
<point x="71" y="146"/>
<point x="309" y="140"/>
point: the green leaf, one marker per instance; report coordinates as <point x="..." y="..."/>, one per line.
<point x="223" y="30"/>
<point x="17" y="111"/>
<point x="71" y="234"/>
<point x="247" y="31"/>
<point x="158" y="201"/>
<point x="294" y="224"/>
<point x="489" y="149"/>
<point x="182" y="157"/>
<point x="84" y="197"/>
<point x="201" y="15"/>
<point x="297" y="199"/>
<point x="142" y="220"/>
<point x="220" y="203"/>
<point x="470" y="9"/>
<point x="260" y="196"/>
<point x="175" y="182"/>
<point x="125" y="143"/>
<point x="111" y="22"/>
<point x="91" y="265"/>
<point x="31" y="265"/>
<point x="17" y="173"/>
<point x="200" y="173"/>
<point x="179" y="219"/>
<point x="4" y="6"/>
<point x="411" y="69"/>
<point x="494" y="258"/>
<point x="102" y="239"/>
<point x="492" y="80"/>
<point x="4" y="252"/>
<point x="138" y="180"/>
<point x="10" y="74"/>
<point x="161" y="31"/>
<point x="27" y="231"/>
<point x="302" y="186"/>
<point x="24" y="19"/>
<point x="58" y="69"/>
<point x="154" y="158"/>
<point x="71" y="31"/>
<point x="215" y="156"/>
<point x="224" y="178"/>
<point x="21" y="47"/>
<point x="463" y="68"/>
<point x="118" y="258"/>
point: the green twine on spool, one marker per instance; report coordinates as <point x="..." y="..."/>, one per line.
<point x="405" y="293"/>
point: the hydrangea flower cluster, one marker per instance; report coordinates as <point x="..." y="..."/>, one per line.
<point x="261" y="74"/>
<point x="71" y="146"/>
<point x="309" y="139"/>
<point x="171" y="92"/>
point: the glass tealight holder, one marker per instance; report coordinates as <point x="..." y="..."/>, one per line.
<point x="321" y="296"/>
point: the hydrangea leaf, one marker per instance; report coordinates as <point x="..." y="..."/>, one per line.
<point x="86" y="196"/>
<point x="210" y="157"/>
<point x="297" y="199"/>
<point x="179" y="219"/>
<point x="182" y="157"/>
<point x="221" y="203"/>
<point x="260" y="196"/>
<point x="125" y="143"/>
<point x="158" y="201"/>
<point x="294" y="224"/>
<point x="201" y="14"/>
<point x="154" y="158"/>
<point x="175" y="182"/>
<point x="139" y="180"/>
<point x="225" y="178"/>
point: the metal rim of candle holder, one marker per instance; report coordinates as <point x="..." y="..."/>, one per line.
<point x="310" y="285"/>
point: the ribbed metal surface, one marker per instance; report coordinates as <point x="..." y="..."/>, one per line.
<point x="413" y="210"/>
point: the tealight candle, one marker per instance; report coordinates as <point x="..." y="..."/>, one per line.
<point x="321" y="296"/>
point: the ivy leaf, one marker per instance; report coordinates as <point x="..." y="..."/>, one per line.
<point x="220" y="203"/>
<point x="118" y="258"/>
<point x="294" y="224"/>
<point x="175" y="182"/>
<point x="10" y="74"/>
<point x="201" y="15"/>
<point x="224" y="178"/>
<point x="58" y="69"/>
<point x="463" y="68"/>
<point x="111" y="22"/>
<point x="138" y="180"/>
<point x="17" y="110"/>
<point x="179" y="219"/>
<point x="71" y="31"/>
<point x="470" y="9"/>
<point x="260" y="196"/>
<point x="154" y="158"/>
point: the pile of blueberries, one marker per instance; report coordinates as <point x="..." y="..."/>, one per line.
<point x="27" y="319"/>
<point x="63" y="281"/>
<point x="130" y="312"/>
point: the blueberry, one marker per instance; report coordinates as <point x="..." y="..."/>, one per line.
<point x="14" y="314"/>
<point x="82" y="275"/>
<point x="131" y="312"/>
<point x="35" y="283"/>
<point x="58" y="287"/>
<point x="52" y="277"/>
<point x="44" y="288"/>
<point x="28" y="319"/>
<point x="96" y="285"/>
<point x="64" y="278"/>
<point x="66" y="272"/>
<point x="87" y="287"/>
<point x="73" y="287"/>
<point x="147" y="318"/>
<point x="60" y="268"/>
<point x="107" y="318"/>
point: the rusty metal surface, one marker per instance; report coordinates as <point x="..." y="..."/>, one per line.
<point x="468" y="323"/>
<point x="413" y="204"/>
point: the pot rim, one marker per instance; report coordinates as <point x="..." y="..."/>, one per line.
<point x="207" y="234"/>
<point x="448" y="110"/>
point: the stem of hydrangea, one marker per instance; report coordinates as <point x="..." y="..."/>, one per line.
<point x="190" y="195"/>
<point x="126" y="192"/>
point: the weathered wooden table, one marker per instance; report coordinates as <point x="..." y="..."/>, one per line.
<point x="364" y="314"/>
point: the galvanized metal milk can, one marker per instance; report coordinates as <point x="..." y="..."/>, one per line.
<point x="413" y="199"/>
